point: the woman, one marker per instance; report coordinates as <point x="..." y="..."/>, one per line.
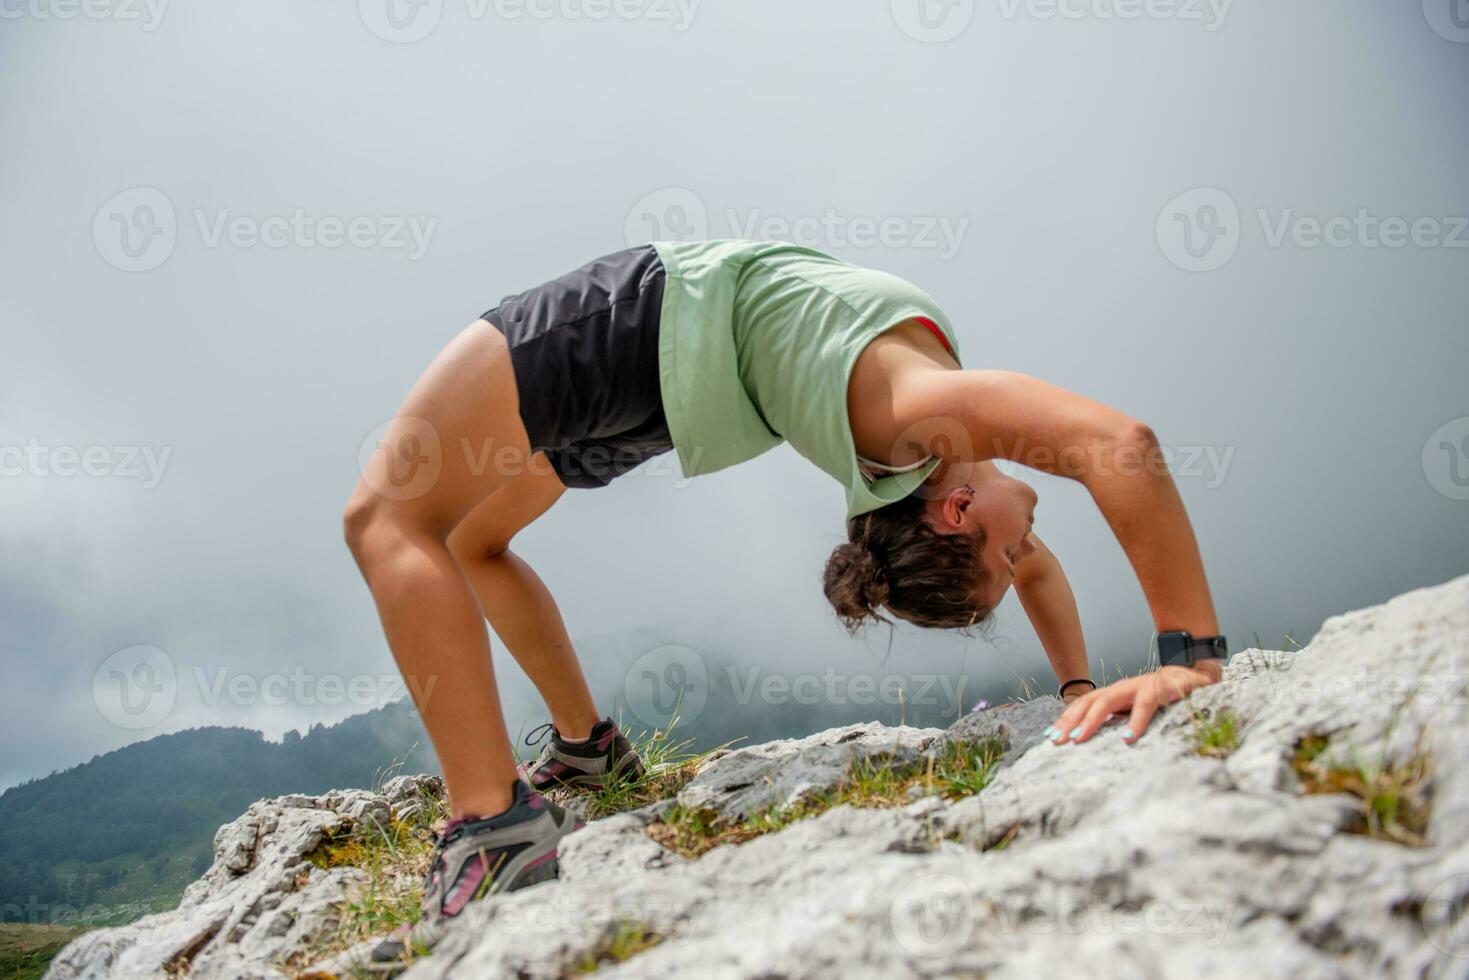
<point x="720" y="351"/>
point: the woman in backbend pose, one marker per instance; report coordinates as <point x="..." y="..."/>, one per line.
<point x="720" y="351"/>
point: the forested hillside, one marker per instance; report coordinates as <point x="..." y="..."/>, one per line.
<point x="122" y="834"/>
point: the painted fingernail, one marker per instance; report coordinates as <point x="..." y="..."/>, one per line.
<point x="1055" y="734"/>
<point x="1049" y="730"/>
<point x="1128" y="734"/>
<point x="1076" y="731"/>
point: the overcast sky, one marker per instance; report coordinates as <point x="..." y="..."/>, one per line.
<point x="233" y="234"/>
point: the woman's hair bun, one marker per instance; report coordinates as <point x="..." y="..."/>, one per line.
<point x="855" y="584"/>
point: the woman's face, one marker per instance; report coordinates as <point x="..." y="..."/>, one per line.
<point x="985" y="500"/>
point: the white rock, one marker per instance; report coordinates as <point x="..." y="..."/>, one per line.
<point x="1117" y="861"/>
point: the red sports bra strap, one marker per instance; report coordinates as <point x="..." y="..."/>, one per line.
<point x="936" y="332"/>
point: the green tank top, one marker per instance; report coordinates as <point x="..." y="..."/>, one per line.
<point x="756" y="345"/>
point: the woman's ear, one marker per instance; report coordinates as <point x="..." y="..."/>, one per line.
<point x="955" y="505"/>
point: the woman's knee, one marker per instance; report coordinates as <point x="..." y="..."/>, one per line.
<point x="370" y="524"/>
<point x="468" y="547"/>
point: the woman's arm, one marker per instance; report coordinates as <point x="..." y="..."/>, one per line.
<point x="978" y="415"/>
<point x="1046" y="597"/>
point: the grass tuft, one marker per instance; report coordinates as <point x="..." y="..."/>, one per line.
<point x="1216" y="734"/>
<point x="1394" y="797"/>
<point x="395" y="859"/>
<point x="961" y="769"/>
<point x="621" y="942"/>
<point x="668" y="765"/>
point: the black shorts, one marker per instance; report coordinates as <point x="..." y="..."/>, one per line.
<point x="584" y="349"/>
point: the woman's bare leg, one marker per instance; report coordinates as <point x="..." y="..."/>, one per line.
<point x="428" y="474"/>
<point x="517" y="602"/>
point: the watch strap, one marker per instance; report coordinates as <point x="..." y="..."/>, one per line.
<point x="1181" y="649"/>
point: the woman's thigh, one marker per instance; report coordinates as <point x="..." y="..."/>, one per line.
<point x="457" y="438"/>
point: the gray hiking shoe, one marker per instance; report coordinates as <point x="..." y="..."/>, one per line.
<point x="590" y="764"/>
<point x="478" y="857"/>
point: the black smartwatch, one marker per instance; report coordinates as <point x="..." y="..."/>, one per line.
<point x="1180" y="649"/>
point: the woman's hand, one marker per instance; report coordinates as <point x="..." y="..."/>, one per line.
<point x="1141" y="696"/>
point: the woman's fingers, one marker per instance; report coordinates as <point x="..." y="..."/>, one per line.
<point x="1143" y="695"/>
<point x="1110" y="700"/>
<point x="1086" y="714"/>
<point x="1144" y="707"/>
<point x="1071" y="717"/>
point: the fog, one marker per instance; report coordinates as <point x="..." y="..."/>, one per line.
<point x="234" y="235"/>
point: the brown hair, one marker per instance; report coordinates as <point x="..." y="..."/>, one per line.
<point x="895" y="560"/>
